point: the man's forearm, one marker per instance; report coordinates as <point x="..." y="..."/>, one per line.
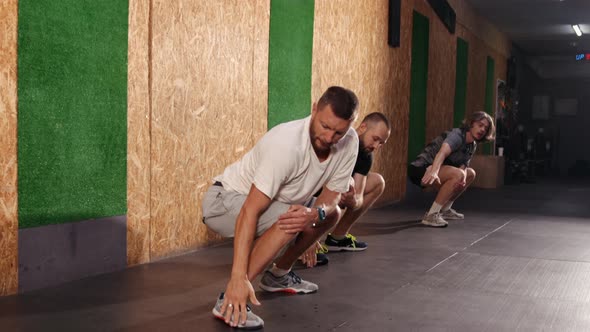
<point x="244" y="237"/>
<point x="328" y="202"/>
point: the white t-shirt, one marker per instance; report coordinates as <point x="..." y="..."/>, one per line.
<point x="284" y="166"/>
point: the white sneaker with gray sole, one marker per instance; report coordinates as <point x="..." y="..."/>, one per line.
<point x="434" y="220"/>
<point x="451" y="214"/>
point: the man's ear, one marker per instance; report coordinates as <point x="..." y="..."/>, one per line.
<point x="362" y="128"/>
<point x="314" y="108"/>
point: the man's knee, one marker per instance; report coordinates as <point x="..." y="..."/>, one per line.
<point x="375" y="183"/>
<point x="332" y="218"/>
<point x="279" y="235"/>
<point x="324" y="226"/>
<point x="470" y="174"/>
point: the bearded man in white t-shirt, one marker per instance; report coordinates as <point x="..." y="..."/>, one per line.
<point x="269" y="194"/>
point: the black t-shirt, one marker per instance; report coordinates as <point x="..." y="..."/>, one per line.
<point x="364" y="161"/>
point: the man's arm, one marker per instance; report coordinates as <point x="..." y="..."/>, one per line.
<point x="239" y="289"/>
<point x="353" y="199"/>
<point x="299" y="217"/>
<point x="328" y="199"/>
<point x="431" y="174"/>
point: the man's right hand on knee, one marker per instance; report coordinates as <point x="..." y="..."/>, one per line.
<point x="297" y="219"/>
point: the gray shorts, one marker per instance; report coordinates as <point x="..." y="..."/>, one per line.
<point x="221" y="209"/>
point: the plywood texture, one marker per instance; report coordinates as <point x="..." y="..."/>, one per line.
<point x="208" y="83"/>
<point x="441" y="74"/>
<point x="8" y="160"/>
<point x="476" y="77"/>
<point x="489" y="171"/>
<point x="481" y="28"/>
<point x="483" y="38"/>
<point x="350" y="49"/>
<point x="138" y="133"/>
<point x="260" y="69"/>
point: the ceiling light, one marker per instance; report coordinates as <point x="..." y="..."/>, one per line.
<point x="577" y="29"/>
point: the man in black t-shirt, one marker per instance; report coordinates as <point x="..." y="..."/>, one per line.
<point x="365" y="188"/>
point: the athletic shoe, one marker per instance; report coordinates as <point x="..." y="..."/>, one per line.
<point x="321" y="257"/>
<point x="434" y="220"/>
<point x="253" y="322"/>
<point x="349" y="243"/>
<point x="289" y="283"/>
<point x="451" y="214"/>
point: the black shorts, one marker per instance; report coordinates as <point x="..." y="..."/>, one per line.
<point x="416" y="174"/>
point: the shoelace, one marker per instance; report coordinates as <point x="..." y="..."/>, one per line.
<point x="352" y="239"/>
<point x="296" y="279"/>
<point x="438" y="216"/>
<point x="322" y="250"/>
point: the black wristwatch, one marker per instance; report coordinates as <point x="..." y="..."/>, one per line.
<point x="321" y="214"/>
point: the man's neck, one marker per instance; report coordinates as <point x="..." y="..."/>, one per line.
<point x="468" y="138"/>
<point x="322" y="155"/>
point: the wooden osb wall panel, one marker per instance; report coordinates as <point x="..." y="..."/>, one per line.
<point x="484" y="39"/>
<point x="476" y="76"/>
<point x="501" y="66"/>
<point x="442" y="56"/>
<point x="481" y="28"/>
<point x="350" y="49"/>
<point x="260" y="69"/>
<point x="8" y="160"/>
<point x="138" y="134"/>
<point x="207" y="80"/>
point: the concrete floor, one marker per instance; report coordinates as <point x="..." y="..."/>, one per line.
<point x="519" y="261"/>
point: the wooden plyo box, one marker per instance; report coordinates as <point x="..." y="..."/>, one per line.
<point x="489" y="171"/>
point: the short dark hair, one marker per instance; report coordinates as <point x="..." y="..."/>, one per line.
<point x="376" y="117"/>
<point x="478" y="116"/>
<point x="343" y="101"/>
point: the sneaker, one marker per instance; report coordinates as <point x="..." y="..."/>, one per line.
<point x="434" y="220"/>
<point x="451" y="214"/>
<point x="289" y="283"/>
<point x="253" y="322"/>
<point x="321" y="257"/>
<point x="349" y="243"/>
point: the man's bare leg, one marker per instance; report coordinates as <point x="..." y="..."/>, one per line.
<point x="305" y="240"/>
<point x="450" y="178"/>
<point x="373" y="190"/>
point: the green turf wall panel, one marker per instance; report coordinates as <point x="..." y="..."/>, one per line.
<point x="418" y="85"/>
<point x="290" y="57"/>
<point x="72" y="110"/>
<point x="461" y="69"/>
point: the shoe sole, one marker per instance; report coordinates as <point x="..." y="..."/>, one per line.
<point x="285" y="290"/>
<point x="333" y="248"/>
<point x="452" y="218"/>
<point x="322" y="263"/>
<point x="218" y="315"/>
<point x="434" y="225"/>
